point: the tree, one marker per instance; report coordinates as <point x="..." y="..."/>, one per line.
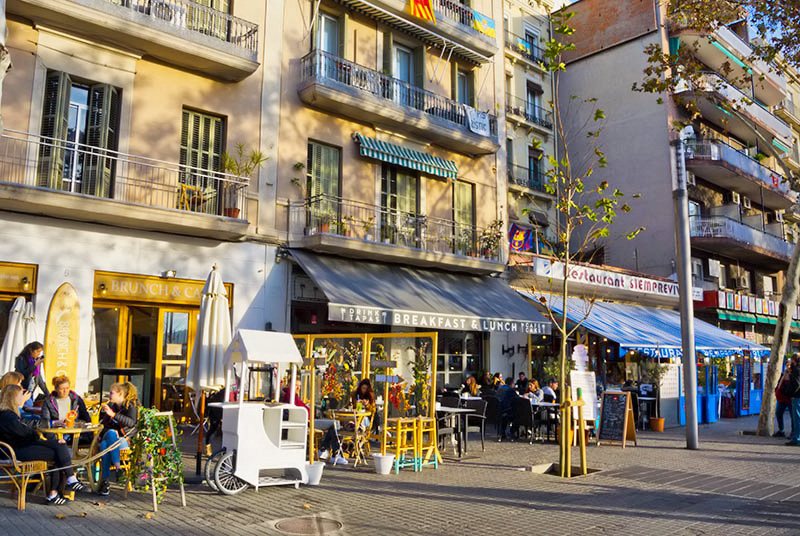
<point x="585" y="213"/>
<point x="777" y="43"/>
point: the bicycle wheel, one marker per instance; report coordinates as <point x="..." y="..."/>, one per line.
<point x="227" y="483"/>
<point x="211" y="464"/>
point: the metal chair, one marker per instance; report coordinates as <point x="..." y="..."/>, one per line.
<point x="522" y="416"/>
<point x="476" y="422"/>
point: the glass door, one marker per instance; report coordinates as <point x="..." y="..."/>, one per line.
<point x="176" y="329"/>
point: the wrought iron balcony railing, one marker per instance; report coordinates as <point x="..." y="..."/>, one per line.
<point x="323" y="214"/>
<point x="188" y="15"/>
<point x="324" y="67"/>
<point x="529" y="177"/>
<point x="529" y="111"/>
<point x="524" y="47"/>
<point x="454" y="10"/>
<point x="724" y="227"/>
<point x="80" y="169"/>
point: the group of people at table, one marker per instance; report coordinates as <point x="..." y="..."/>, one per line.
<point x="31" y="428"/>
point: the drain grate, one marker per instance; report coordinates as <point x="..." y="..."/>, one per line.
<point x="309" y="525"/>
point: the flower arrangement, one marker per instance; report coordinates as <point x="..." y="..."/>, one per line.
<point x="420" y="368"/>
<point x="338" y="379"/>
<point x="155" y="460"/>
<point x="398" y="397"/>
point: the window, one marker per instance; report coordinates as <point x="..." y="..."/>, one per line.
<point x="400" y="223"/>
<point x="535" y="178"/>
<point x="723" y="276"/>
<point x="697" y="271"/>
<point x="322" y="183"/>
<point x="465" y="92"/>
<point x="77" y="119"/>
<point x="202" y="142"/>
<point x="328" y="34"/>
<point x="532" y="39"/>
<point x="464" y="217"/>
<point x="694" y="209"/>
<point x="533" y="101"/>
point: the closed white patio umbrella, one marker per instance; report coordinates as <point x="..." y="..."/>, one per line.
<point x="207" y="363"/>
<point x="15" y="336"/>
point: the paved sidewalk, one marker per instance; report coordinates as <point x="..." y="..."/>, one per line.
<point x="735" y="484"/>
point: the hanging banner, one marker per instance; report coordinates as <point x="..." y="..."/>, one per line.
<point x="520" y="239"/>
<point x="483" y="24"/>
<point x="478" y="121"/>
<point x="422" y="9"/>
<point x="62" y="335"/>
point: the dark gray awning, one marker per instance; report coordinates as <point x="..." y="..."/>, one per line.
<point x="376" y="293"/>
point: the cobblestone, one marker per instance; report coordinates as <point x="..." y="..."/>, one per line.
<point x="735" y="484"/>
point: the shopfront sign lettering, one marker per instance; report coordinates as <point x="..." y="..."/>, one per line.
<point x="130" y="287"/>
<point x="390" y="317"/>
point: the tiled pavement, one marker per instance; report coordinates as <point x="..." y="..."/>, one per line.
<point x="735" y="484"/>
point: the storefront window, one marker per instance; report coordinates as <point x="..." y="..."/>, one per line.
<point x="461" y="352"/>
<point x="5" y="310"/>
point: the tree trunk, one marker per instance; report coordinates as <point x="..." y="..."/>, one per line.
<point x="780" y="341"/>
<point x="562" y="359"/>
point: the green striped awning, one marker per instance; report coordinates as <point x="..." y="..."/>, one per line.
<point x="402" y="156"/>
<point x="736" y="316"/>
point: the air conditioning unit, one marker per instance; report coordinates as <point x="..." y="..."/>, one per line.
<point x="746" y="202"/>
<point x="691" y="180"/>
<point x="742" y="282"/>
<point x="736" y="199"/>
<point x="779" y="215"/>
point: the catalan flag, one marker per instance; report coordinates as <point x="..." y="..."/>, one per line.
<point x="423" y="10"/>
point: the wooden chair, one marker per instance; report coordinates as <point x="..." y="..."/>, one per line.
<point x="427" y="442"/>
<point x="20" y="474"/>
<point x="402" y="440"/>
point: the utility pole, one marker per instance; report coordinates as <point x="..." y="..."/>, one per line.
<point x="680" y="197"/>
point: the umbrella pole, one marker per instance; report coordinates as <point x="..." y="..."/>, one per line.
<point x="199" y="456"/>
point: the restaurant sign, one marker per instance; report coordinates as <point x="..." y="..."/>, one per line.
<point x="338" y="312"/>
<point x="142" y="288"/>
<point x="18" y="278"/>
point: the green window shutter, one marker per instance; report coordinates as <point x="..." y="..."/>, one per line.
<point x="388" y="48"/>
<point x="202" y="138"/>
<point x="55" y="123"/>
<point x="471" y="100"/>
<point x="406" y="185"/>
<point x="344" y="19"/>
<point x="463" y="204"/>
<point x="419" y="66"/>
<point x="102" y="134"/>
<point x="454" y="81"/>
<point x="323" y="180"/>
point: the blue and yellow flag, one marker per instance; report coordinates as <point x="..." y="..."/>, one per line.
<point x="423" y="10"/>
<point x="483" y="24"/>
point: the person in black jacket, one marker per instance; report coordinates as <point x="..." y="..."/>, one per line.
<point x="793" y="391"/>
<point x="29" y="364"/>
<point x="61" y="401"/>
<point x="118" y="417"/>
<point x="28" y="446"/>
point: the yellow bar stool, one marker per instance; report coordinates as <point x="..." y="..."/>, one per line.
<point x="403" y="441"/>
<point x="427" y="452"/>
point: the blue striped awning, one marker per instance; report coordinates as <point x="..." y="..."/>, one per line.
<point x="402" y="156"/>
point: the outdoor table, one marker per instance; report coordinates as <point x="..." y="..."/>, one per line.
<point x="76" y="431"/>
<point x="359" y="437"/>
<point x="461" y="427"/>
<point x="544" y="404"/>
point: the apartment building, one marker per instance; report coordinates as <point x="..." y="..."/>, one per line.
<point x="741" y="236"/>
<point x="392" y="172"/>
<point x="117" y="115"/>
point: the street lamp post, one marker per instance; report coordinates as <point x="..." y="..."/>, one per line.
<point x="680" y="196"/>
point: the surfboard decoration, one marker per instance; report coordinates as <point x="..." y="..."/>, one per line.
<point x="62" y="335"/>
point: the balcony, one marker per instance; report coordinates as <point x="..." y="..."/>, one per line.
<point x="723" y="165"/>
<point x="531" y="178"/>
<point x="73" y="181"/>
<point x="523" y="48"/>
<point x="725" y="47"/>
<point x="178" y="32"/>
<point x="787" y="111"/>
<point x="346" y="88"/>
<point x="455" y="24"/>
<point x="356" y="229"/>
<point x="529" y="113"/>
<point x="712" y="88"/>
<point x="733" y="239"/>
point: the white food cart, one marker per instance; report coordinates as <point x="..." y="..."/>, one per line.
<point x="265" y="437"/>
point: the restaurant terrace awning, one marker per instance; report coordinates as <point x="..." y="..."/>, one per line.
<point x="367" y="292"/>
<point x="405" y="157"/>
<point x="649" y="330"/>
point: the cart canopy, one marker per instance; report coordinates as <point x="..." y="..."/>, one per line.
<point x="252" y="346"/>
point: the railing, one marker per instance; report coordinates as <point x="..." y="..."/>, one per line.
<point x="524" y="47"/>
<point x="721" y="151"/>
<point x="331" y="68"/>
<point x="76" y="168"/>
<point x="454" y="10"/>
<point x="325" y="214"/>
<point x="529" y="177"/>
<point x="788" y="105"/>
<point x="530" y="111"/>
<point x="724" y="227"/>
<point x="198" y="18"/>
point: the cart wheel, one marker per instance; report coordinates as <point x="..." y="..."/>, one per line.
<point x="211" y="464"/>
<point x="226" y="482"/>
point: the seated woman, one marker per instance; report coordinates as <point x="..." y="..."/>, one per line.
<point x="330" y="441"/>
<point x="471" y="387"/>
<point x="29" y="413"/>
<point x="535" y="393"/>
<point x="28" y="446"/>
<point x="118" y="417"/>
<point x="60" y="402"/>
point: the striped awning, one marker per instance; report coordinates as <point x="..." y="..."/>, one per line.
<point x="402" y="156"/>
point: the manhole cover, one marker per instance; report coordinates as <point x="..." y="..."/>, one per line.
<point x="308" y="525"/>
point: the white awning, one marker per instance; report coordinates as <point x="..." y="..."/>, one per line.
<point x="252" y="346"/>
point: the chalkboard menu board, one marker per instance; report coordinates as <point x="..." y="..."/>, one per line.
<point x="616" y="418"/>
<point x="747" y="378"/>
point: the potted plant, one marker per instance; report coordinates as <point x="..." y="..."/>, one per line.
<point x="366" y="226"/>
<point x="490" y="238"/>
<point x="244" y="164"/>
<point x="656" y="373"/>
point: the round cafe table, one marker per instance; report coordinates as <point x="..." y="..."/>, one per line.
<point x="76" y="431"/>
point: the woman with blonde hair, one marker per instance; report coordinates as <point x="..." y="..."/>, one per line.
<point x="28" y="446"/>
<point x="118" y="417"/>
